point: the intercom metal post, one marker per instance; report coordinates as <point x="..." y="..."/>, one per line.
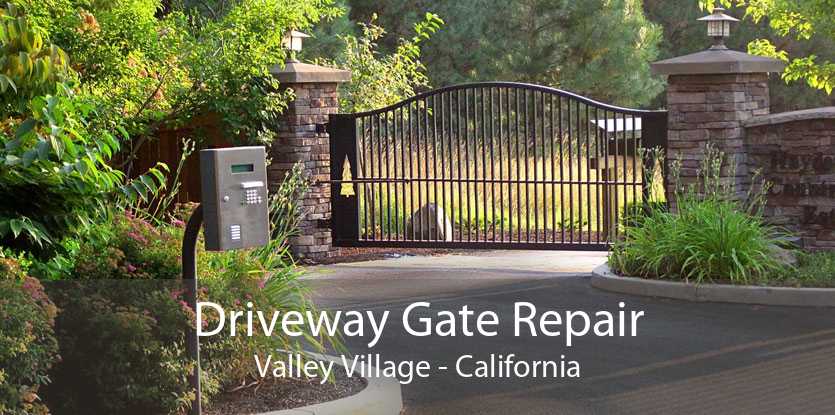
<point x="234" y="214"/>
<point x="189" y="257"/>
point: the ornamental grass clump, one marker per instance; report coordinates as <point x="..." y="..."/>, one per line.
<point x="714" y="232"/>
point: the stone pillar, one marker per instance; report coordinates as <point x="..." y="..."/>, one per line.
<point x="710" y="95"/>
<point x="301" y="138"/>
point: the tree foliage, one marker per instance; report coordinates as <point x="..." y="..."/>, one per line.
<point x="25" y="60"/>
<point x="54" y="161"/>
<point x="84" y="80"/>
<point x="600" y="48"/>
<point x="158" y="64"/>
<point x="378" y="80"/>
<point x="683" y="35"/>
<point x="802" y="20"/>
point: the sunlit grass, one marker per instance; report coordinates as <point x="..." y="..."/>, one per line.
<point x="502" y="201"/>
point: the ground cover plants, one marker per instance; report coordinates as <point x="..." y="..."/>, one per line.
<point x="813" y="269"/>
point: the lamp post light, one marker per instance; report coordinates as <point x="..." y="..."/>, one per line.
<point x="292" y="41"/>
<point x="718" y="27"/>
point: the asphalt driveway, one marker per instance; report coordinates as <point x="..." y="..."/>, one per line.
<point x="688" y="358"/>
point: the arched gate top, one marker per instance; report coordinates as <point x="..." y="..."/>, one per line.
<point x="512" y="85"/>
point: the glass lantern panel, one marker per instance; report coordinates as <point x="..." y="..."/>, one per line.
<point x="715" y="29"/>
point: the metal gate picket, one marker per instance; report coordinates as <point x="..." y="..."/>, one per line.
<point x="490" y="165"/>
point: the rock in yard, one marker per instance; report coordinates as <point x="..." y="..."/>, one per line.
<point x="429" y="223"/>
<point x="784" y="256"/>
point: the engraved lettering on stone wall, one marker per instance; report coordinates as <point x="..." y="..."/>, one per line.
<point x="782" y="161"/>
<point x="803" y="180"/>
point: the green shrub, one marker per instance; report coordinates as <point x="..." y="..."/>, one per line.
<point x="121" y="343"/>
<point x="28" y="348"/>
<point x="54" y="149"/>
<point x="124" y="315"/>
<point x="711" y="235"/>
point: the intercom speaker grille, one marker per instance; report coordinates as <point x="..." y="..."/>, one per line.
<point x="235" y="232"/>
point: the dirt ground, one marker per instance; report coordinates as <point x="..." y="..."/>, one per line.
<point x="343" y="255"/>
<point x="274" y="395"/>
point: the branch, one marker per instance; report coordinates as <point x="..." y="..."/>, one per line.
<point x="210" y="9"/>
<point x="153" y="127"/>
<point x="156" y="90"/>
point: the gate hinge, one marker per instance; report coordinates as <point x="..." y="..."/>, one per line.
<point x="322" y="128"/>
<point x="323" y="223"/>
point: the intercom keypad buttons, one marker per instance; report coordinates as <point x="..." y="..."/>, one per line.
<point x="251" y="194"/>
<point x="235" y="198"/>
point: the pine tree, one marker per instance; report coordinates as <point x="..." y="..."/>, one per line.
<point x="599" y="48"/>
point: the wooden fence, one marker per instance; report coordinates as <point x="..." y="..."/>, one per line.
<point x="167" y="147"/>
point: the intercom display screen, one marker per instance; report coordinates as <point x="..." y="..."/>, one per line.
<point x="243" y="168"/>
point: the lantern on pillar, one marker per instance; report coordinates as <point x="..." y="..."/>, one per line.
<point x="718" y="27"/>
<point x="292" y="41"/>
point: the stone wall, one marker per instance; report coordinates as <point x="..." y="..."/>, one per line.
<point x="299" y="141"/>
<point x="711" y="108"/>
<point x="796" y="153"/>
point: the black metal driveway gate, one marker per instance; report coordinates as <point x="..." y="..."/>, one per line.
<point x="491" y="165"/>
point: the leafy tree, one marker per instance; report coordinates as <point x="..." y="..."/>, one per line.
<point x="54" y="169"/>
<point x="158" y="64"/>
<point x="326" y="40"/>
<point x="599" y="48"/>
<point x="682" y="35"/>
<point x="26" y="61"/>
<point x="378" y="80"/>
<point x="802" y="20"/>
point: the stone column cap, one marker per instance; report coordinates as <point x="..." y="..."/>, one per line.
<point x="723" y="61"/>
<point x="784" y="117"/>
<point x="303" y="73"/>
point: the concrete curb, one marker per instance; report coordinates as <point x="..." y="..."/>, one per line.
<point x="603" y="278"/>
<point x="381" y="396"/>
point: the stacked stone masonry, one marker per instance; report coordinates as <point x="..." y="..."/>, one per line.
<point x="798" y="158"/>
<point x="793" y="151"/>
<point x="297" y="141"/>
<point x="711" y="108"/>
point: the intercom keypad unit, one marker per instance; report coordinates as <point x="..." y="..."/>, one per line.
<point x="235" y="202"/>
